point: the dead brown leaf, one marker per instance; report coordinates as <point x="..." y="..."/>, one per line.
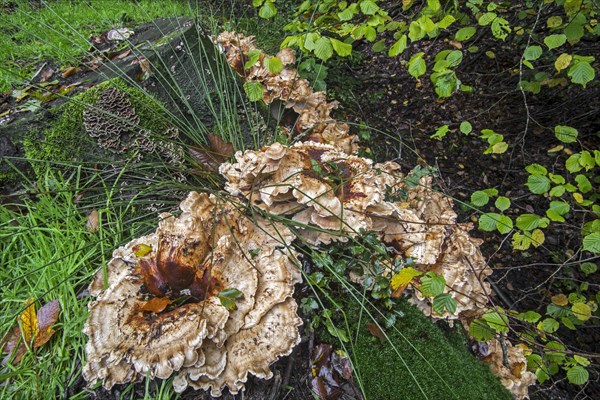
<point x="69" y="71"/>
<point x="46" y="74"/>
<point x="93" y="221"/>
<point x="376" y="331"/>
<point x="156" y="304"/>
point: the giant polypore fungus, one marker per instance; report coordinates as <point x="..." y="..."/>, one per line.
<point x="313" y="121"/>
<point x="157" y="309"/>
<point x="332" y="196"/>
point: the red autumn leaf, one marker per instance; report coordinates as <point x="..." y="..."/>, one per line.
<point x="156" y="304"/>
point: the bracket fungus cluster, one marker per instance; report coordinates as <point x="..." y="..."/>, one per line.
<point x="158" y="312"/>
<point x="313" y="120"/>
<point x="158" y="309"/>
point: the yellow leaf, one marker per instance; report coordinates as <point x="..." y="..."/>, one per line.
<point x="537" y="237"/>
<point x="582" y="311"/>
<point x="560" y="300"/>
<point x="29" y="326"/>
<point x="526" y="350"/>
<point x="141" y="249"/>
<point x="563" y="61"/>
<point x="404" y="277"/>
<point x="578" y="197"/>
<point x="499" y="147"/>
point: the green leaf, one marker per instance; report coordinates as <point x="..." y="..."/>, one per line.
<point x="440" y="132"/>
<point x="554" y="41"/>
<point x="582" y="311"/>
<point x="588" y="268"/>
<point x="268" y="10"/>
<point x="577" y="375"/>
<point x="368" y="7"/>
<point x="488" y="221"/>
<point x="341" y="48"/>
<point x="465" y="33"/>
<point x="432" y="285"/>
<point x="538" y="184"/>
<point x="444" y="301"/>
<point x="557" y="191"/>
<point x="591" y="242"/>
<point x="558" y="179"/>
<point x="581" y="360"/>
<point x="481" y="331"/>
<point x="587" y="160"/>
<point x="536" y="169"/>
<point x="228" y="297"/>
<point x="581" y="73"/>
<point x="491" y="192"/>
<point x="496" y="321"/>
<point x="531" y="316"/>
<point x="528" y="222"/>
<point x="254" y="90"/>
<point x="323" y="48"/>
<point x="504" y="224"/>
<point x="479" y="198"/>
<point x="253" y="56"/>
<point x="346" y="15"/>
<point x="487" y="18"/>
<point x="466" y="127"/>
<point x="416" y="65"/>
<point x="560" y="207"/>
<point x="500" y="28"/>
<point x="554" y="21"/>
<point x="520" y="241"/>
<point x="502" y="203"/>
<point x="572" y="164"/>
<point x="583" y="183"/>
<point x="566" y="134"/>
<point x="398" y="47"/>
<point x="378" y="46"/>
<point x="549" y="325"/>
<point x="574" y="29"/>
<point x="273" y="64"/>
<point x="446" y="21"/>
<point x="532" y="53"/>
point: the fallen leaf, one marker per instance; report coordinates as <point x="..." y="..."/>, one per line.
<point x="341" y="363"/>
<point x="156" y="304"/>
<point x="517" y="368"/>
<point x="140" y="250"/>
<point x="560" y="300"/>
<point x="46" y="317"/>
<point x="28" y="320"/>
<point x="119" y="55"/>
<point x="68" y="72"/>
<point x="47" y="74"/>
<point x="376" y="331"/>
<point x="93" y="220"/>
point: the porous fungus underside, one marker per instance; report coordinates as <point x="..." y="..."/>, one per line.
<point x="65" y="141"/>
<point x="443" y="351"/>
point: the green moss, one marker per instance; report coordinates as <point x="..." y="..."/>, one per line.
<point x="66" y="142"/>
<point x="428" y="362"/>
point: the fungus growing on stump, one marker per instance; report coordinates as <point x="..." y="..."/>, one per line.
<point x="207" y="296"/>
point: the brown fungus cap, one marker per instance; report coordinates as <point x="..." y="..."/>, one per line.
<point x="210" y="247"/>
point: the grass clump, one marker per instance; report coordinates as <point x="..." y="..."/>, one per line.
<point x="47" y="253"/>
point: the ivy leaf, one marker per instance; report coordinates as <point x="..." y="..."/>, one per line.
<point x="416" y="65"/>
<point x="554" y="41"/>
<point x="323" y="49"/>
<point x="228" y="298"/>
<point x="566" y="134"/>
<point x="273" y="64"/>
<point x="342" y="49"/>
<point x="577" y="375"/>
<point x="465" y="33"/>
<point x="398" y="47"/>
<point x="444" y="301"/>
<point x="591" y="242"/>
<point x="581" y="73"/>
<point x="254" y="90"/>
